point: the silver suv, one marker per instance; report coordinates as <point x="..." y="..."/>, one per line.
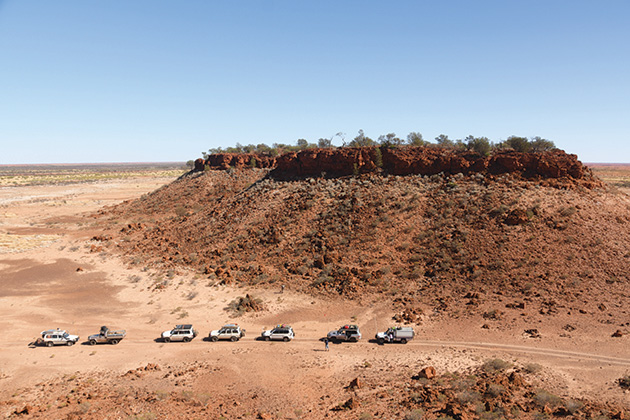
<point x="345" y="333"/>
<point x="280" y="332"/>
<point x="57" y="337"/>
<point x="184" y="332"/>
<point x="230" y="332"/>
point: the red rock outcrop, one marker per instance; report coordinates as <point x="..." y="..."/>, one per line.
<point x="402" y="161"/>
<point x="239" y="160"/>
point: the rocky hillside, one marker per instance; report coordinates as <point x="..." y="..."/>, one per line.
<point x="438" y="243"/>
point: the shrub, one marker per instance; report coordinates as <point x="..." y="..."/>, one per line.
<point x="467" y="396"/>
<point x="532" y="368"/>
<point x="414" y="415"/>
<point x="573" y="406"/>
<point x="378" y="157"/>
<point x="624" y="382"/>
<point x="519" y="144"/>
<point x="480" y="145"/>
<point x="495" y="365"/>
<point x="568" y="211"/>
<point x="544" y="398"/>
<point x="495" y="390"/>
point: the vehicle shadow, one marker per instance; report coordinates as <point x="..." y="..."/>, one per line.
<point x="259" y="338"/>
<point x="375" y="341"/>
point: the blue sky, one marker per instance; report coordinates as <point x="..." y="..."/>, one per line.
<point x="129" y="81"/>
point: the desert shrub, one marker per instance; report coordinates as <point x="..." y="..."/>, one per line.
<point x="495" y="390"/>
<point x="481" y="145"/>
<point x="624" y="382"/>
<point x="568" y="211"/>
<point x="499" y="211"/>
<point x="545" y="398"/>
<point x="573" y="406"/>
<point x="414" y="415"/>
<point x="532" y="368"/>
<point x="181" y="211"/>
<point x="143" y="416"/>
<point x="416" y="398"/>
<point x="467" y="396"/>
<point x="495" y="365"/>
<point x="134" y="279"/>
<point x="378" y="157"/>
<point x="519" y="144"/>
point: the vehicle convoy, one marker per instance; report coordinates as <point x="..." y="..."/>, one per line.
<point x="57" y="337"/>
<point x="280" y="332"/>
<point x="345" y="333"/>
<point x="183" y="332"/>
<point x="395" y="334"/>
<point x="230" y="332"/>
<point x="107" y="336"/>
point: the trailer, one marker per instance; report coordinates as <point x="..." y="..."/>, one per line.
<point x="107" y="336"/>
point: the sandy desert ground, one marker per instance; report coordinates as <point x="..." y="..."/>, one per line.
<point x="53" y="275"/>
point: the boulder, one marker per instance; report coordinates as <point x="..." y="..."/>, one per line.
<point x="355" y="384"/>
<point x="427" y="372"/>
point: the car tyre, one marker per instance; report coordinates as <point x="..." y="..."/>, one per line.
<point x="233" y="338"/>
<point x="285" y="339"/>
<point x="69" y="343"/>
<point x="167" y="340"/>
<point x="92" y="342"/>
<point x="403" y="340"/>
<point x="267" y="338"/>
<point x="214" y="339"/>
<point x="49" y="344"/>
<point x="114" y="342"/>
<point x="186" y="339"/>
<point x="381" y="341"/>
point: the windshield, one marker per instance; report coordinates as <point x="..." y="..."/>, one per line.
<point x="65" y="335"/>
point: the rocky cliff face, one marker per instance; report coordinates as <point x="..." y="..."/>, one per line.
<point x="404" y="161"/>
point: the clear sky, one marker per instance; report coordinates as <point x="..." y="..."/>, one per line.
<point x="147" y="80"/>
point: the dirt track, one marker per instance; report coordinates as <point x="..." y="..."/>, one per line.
<point x="65" y="282"/>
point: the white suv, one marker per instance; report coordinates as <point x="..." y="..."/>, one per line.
<point x="280" y="332"/>
<point x="58" y="337"/>
<point x="183" y="333"/>
<point x="230" y="332"/>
